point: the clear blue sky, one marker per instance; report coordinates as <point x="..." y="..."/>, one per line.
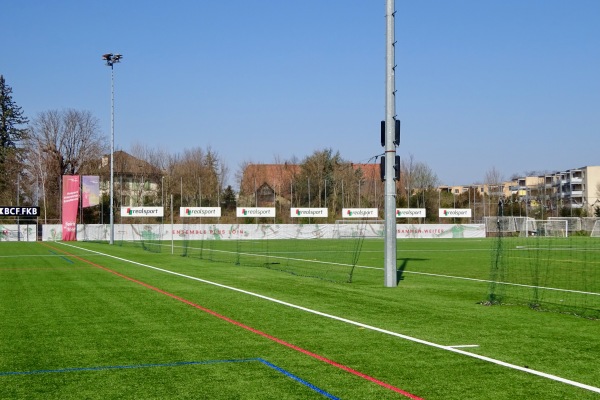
<point x="510" y="84"/>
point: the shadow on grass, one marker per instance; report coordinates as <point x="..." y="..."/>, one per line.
<point x="402" y="263"/>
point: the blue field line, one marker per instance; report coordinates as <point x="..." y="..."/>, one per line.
<point x="175" y="364"/>
<point x="63" y="257"/>
<point x="297" y="379"/>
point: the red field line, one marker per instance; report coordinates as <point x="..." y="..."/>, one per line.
<point x="40" y="268"/>
<point x="248" y="328"/>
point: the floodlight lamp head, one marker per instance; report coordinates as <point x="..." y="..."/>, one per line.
<point x="111" y="58"/>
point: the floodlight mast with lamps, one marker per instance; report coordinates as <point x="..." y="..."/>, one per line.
<point x="111" y="60"/>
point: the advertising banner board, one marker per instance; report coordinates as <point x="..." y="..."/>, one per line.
<point x="70" y="205"/>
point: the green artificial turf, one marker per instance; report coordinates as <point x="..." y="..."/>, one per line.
<point x="78" y="324"/>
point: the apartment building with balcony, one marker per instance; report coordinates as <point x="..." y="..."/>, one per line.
<point x="503" y="189"/>
<point x="575" y="191"/>
<point x="577" y="188"/>
<point x="572" y="189"/>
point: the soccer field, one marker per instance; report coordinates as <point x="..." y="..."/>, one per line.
<point x="89" y="320"/>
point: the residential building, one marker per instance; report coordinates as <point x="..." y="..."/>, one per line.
<point x="137" y="182"/>
<point x="503" y="189"/>
<point x="575" y="188"/>
<point x="268" y="184"/>
<point x="263" y="185"/>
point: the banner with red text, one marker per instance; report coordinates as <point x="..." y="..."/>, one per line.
<point x="70" y="204"/>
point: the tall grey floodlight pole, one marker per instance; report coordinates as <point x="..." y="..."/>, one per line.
<point x="112" y="59"/>
<point x="390" y="151"/>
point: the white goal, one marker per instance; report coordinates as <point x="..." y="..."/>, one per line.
<point x="545" y="228"/>
<point x="596" y="229"/>
<point x="573" y="223"/>
<point x="500" y="224"/>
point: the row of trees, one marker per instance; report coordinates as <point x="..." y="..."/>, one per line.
<point x="34" y="156"/>
<point x="325" y="180"/>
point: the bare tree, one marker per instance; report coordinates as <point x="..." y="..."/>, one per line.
<point x="60" y="143"/>
<point x="156" y="157"/>
<point x="420" y="183"/>
<point x="244" y="175"/>
<point x="213" y="174"/>
<point x="493" y="176"/>
<point x="40" y="173"/>
<point x="222" y="176"/>
<point x="493" y="179"/>
<point x="70" y="137"/>
<point x="197" y="175"/>
<point x="407" y="174"/>
<point x="424" y="180"/>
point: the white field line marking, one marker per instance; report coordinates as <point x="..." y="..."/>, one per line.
<point x="359" y="324"/>
<point x="449" y="276"/>
<point x="280" y="257"/>
<point x="457" y="346"/>
<point x="488" y="281"/>
<point x="557" y="248"/>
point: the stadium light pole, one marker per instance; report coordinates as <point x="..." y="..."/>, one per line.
<point x="391" y="274"/>
<point x="111" y="60"/>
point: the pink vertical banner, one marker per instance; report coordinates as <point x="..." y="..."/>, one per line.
<point x="70" y="204"/>
<point x="90" y="190"/>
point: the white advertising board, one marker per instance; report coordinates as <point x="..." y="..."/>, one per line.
<point x="199" y="211"/>
<point x="255" y="212"/>
<point x="142" y="211"/>
<point x="410" y="213"/>
<point x="455" y="213"/>
<point x="308" y="212"/>
<point x="359" y="213"/>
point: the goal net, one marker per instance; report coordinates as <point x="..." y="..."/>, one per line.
<point x="573" y="223"/>
<point x="500" y="225"/>
<point x="595" y="230"/>
<point x="545" y="228"/>
<point x="546" y="269"/>
<point x="149" y="237"/>
<point x="329" y="252"/>
<point x="18" y="233"/>
<point x="362" y="228"/>
<point x="587" y="223"/>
